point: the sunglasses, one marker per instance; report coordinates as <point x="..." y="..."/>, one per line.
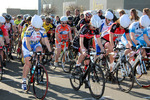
<point x="64" y="22"/>
<point x="109" y="19"/>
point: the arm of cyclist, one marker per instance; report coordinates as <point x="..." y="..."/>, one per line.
<point x="47" y="44"/>
<point x="83" y="49"/>
<point x="146" y="39"/>
<point x="100" y="44"/>
<point x="28" y="43"/>
<point x="133" y="38"/>
<point x="111" y="40"/>
<point x="70" y="35"/>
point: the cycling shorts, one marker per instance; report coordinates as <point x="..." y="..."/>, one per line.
<point x="61" y="45"/>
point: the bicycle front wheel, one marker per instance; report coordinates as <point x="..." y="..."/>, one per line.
<point x="96" y="82"/>
<point x="125" y="76"/>
<point x="65" y="62"/>
<point x="40" y="85"/>
<point x="142" y="78"/>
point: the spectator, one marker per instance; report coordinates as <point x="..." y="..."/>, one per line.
<point x="133" y="15"/>
<point x="100" y="14"/>
<point x="121" y="12"/>
<point x="81" y="16"/>
<point x="68" y="13"/>
<point x="77" y="17"/>
<point x="146" y="11"/>
<point x="57" y="22"/>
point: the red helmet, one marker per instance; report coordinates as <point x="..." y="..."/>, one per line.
<point x="88" y="14"/>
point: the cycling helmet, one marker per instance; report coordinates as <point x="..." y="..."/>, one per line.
<point x="88" y="14"/>
<point x="25" y="16"/>
<point x="29" y="18"/>
<point x="36" y="21"/>
<point x="42" y="16"/>
<point x="64" y="19"/>
<point x="19" y="16"/>
<point x="48" y="19"/>
<point x="2" y="19"/>
<point x="109" y="15"/>
<point x="124" y="21"/>
<point x="96" y="21"/>
<point x="70" y="18"/>
<point x="144" y="21"/>
<point x="4" y="14"/>
<point x="8" y="17"/>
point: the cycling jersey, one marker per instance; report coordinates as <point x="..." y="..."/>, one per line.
<point x="47" y="27"/>
<point x="17" y="22"/>
<point x="114" y="29"/>
<point x="3" y="31"/>
<point x="25" y="26"/>
<point x="35" y="37"/>
<point x="22" y="23"/>
<point x="8" y="26"/>
<point x="81" y="23"/>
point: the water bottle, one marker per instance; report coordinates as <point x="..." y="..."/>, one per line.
<point x="33" y="69"/>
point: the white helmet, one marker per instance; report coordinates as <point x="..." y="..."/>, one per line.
<point x="26" y="16"/>
<point x="64" y="19"/>
<point x="96" y="21"/>
<point x="124" y="21"/>
<point x="109" y="15"/>
<point x="144" y="21"/>
<point x="2" y="19"/>
<point x="36" y="21"/>
<point x="42" y="16"/>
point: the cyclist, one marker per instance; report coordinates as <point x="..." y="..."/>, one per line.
<point x="104" y="27"/>
<point x="70" y="23"/>
<point x="31" y="43"/>
<point x="86" y="33"/>
<point x="43" y="17"/>
<point x="62" y="32"/>
<point x="85" y="20"/>
<point x="115" y="32"/>
<point x="18" y="20"/>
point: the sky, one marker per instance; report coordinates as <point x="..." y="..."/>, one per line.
<point x="22" y="4"/>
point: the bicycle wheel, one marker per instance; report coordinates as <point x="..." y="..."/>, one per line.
<point x="40" y="85"/>
<point x="65" y="62"/>
<point x="125" y="76"/>
<point x="142" y="78"/>
<point x="1" y="63"/>
<point x="74" y="77"/>
<point x="96" y="81"/>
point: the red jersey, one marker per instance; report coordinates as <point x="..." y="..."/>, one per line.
<point x="4" y="30"/>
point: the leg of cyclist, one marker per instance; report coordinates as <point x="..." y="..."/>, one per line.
<point x="58" y="51"/>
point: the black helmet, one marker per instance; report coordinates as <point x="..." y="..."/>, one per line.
<point x="70" y="18"/>
<point x="8" y="17"/>
<point x="48" y="20"/>
<point x="19" y="16"/>
<point x="28" y="18"/>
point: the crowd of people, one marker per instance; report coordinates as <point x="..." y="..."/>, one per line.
<point x="78" y="29"/>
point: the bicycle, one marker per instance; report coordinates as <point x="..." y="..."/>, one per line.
<point x="64" y="58"/>
<point x="38" y="76"/>
<point x="93" y="77"/>
<point x="122" y="70"/>
<point x="141" y="71"/>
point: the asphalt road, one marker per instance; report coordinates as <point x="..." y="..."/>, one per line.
<point x="60" y="88"/>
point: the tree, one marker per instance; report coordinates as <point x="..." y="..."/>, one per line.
<point x="49" y="10"/>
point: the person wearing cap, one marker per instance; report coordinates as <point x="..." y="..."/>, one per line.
<point x="114" y="32"/>
<point x="31" y="43"/>
<point x="72" y="26"/>
<point x="76" y="17"/>
<point x="104" y="27"/>
<point x="85" y="20"/>
<point x="100" y="14"/>
<point x="18" y="20"/>
<point x="62" y="32"/>
<point x="115" y="18"/>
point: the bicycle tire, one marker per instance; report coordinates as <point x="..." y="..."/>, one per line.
<point x="125" y="76"/>
<point x="65" y="65"/>
<point x="1" y="63"/>
<point x="38" y="93"/>
<point x="144" y="79"/>
<point x="94" y="79"/>
<point x="74" y="78"/>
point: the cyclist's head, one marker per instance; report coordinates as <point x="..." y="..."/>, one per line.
<point x="19" y="17"/>
<point x="63" y="20"/>
<point x="25" y="16"/>
<point x="124" y="21"/>
<point x="95" y="22"/>
<point x="88" y="16"/>
<point x="36" y="22"/>
<point x="28" y="19"/>
<point x="2" y="20"/>
<point x="48" y="20"/>
<point x="43" y="17"/>
<point x="8" y="18"/>
<point x="70" y="19"/>
<point x="108" y="16"/>
<point x="4" y="14"/>
<point x="144" y="21"/>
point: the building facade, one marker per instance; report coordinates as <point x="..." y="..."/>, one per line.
<point x="61" y="5"/>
